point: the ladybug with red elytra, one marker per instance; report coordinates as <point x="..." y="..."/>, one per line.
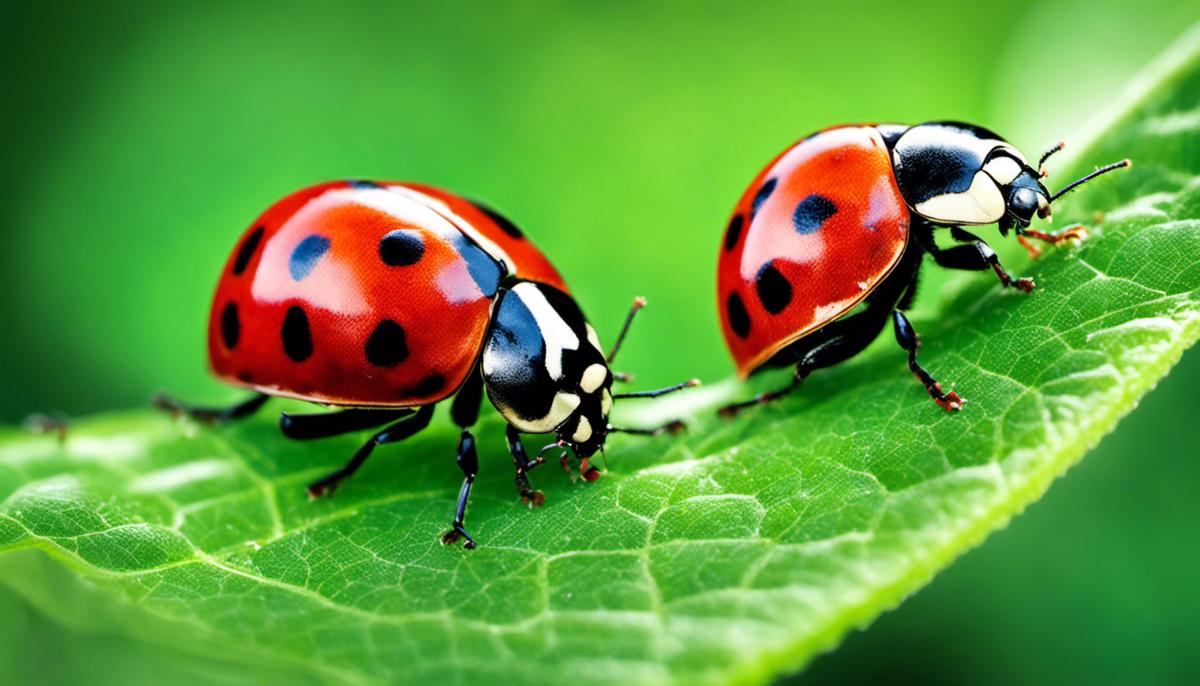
<point x="825" y="246"/>
<point x="383" y="299"/>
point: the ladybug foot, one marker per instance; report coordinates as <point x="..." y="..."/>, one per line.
<point x="533" y="499"/>
<point x="44" y="424"/>
<point x="166" y="403"/>
<point x="456" y="534"/>
<point x="673" y="428"/>
<point x="949" y="402"/>
<point x="587" y="471"/>
<point x="323" y="488"/>
<point x="1023" y="284"/>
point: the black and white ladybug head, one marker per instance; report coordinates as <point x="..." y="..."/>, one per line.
<point x="959" y="174"/>
<point x="544" y="370"/>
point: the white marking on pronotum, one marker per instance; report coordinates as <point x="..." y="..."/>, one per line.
<point x="583" y="431"/>
<point x="1003" y="169"/>
<point x="605" y="402"/>
<point x="592" y="377"/>
<point x="557" y="335"/>
<point x="979" y="204"/>
<point x="562" y="407"/>
<point x="593" y="338"/>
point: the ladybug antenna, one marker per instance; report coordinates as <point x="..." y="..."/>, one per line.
<point x="1080" y="181"/>
<point x="1047" y="155"/>
<point x="638" y="303"/>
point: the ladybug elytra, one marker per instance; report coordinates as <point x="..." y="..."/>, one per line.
<point x="386" y="298"/>
<point x="825" y="246"/>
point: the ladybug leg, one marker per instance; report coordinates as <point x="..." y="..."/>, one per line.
<point x="907" y="338"/>
<point x="835" y="343"/>
<point x="672" y="427"/>
<point x="464" y="411"/>
<point x="976" y="256"/>
<point x="468" y="462"/>
<point x="733" y="409"/>
<point x="391" y="434"/>
<point x="523" y="466"/>
<point x="1075" y="232"/>
<point x="307" y="427"/>
<point x="690" y="383"/>
<point x="210" y="415"/>
<point x="47" y="424"/>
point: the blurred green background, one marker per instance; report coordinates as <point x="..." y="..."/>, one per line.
<point x="139" y="140"/>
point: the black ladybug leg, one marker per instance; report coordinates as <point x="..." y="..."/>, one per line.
<point x="523" y="465"/>
<point x="672" y="427"/>
<point x="733" y="409"/>
<point x="977" y="256"/>
<point x="907" y="338"/>
<point x="690" y="383"/>
<point x="464" y="411"/>
<point x="211" y="415"/>
<point x="396" y="432"/>
<point x="307" y="427"/>
<point x="468" y="462"/>
<point x="835" y="343"/>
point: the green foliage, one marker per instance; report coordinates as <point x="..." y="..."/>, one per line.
<point x="730" y="555"/>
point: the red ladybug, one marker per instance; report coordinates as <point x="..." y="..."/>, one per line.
<point x="844" y="217"/>
<point x="386" y="298"/>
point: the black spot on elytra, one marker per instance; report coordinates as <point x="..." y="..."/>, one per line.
<point x="360" y="183"/>
<point x="427" y="386"/>
<point x="305" y="256"/>
<point x="761" y="196"/>
<point x="734" y="232"/>
<point x="246" y="253"/>
<point x="297" y="338"/>
<point x="774" y="291"/>
<point x="739" y="319"/>
<point x="503" y="222"/>
<point x="231" y="326"/>
<point x="812" y="212"/>
<point x="387" y="345"/>
<point x="402" y="248"/>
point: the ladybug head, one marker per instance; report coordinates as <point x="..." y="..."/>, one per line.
<point x="954" y="174"/>
<point x="958" y="174"/>
<point x="546" y="372"/>
<point x="1024" y="196"/>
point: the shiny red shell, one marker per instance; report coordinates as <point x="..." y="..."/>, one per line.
<point x="308" y="307"/>
<point x="819" y="228"/>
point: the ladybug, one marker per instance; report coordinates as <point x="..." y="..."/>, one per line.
<point x="384" y="299"/>
<point x="825" y="246"/>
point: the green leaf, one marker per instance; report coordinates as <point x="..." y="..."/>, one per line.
<point x="730" y="555"/>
